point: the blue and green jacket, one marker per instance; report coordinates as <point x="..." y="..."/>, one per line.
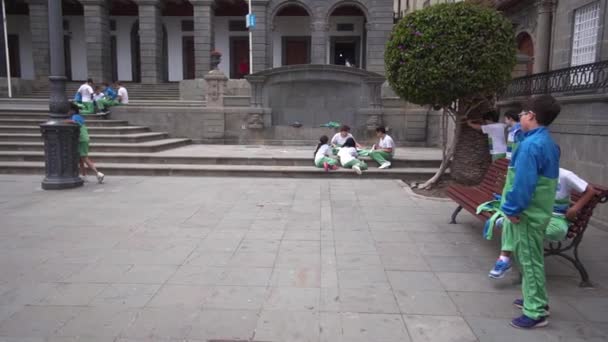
<point x="532" y="178"/>
<point x="110" y="93"/>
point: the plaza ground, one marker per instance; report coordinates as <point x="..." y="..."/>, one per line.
<point x="261" y="259"/>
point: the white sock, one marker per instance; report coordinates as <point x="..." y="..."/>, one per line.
<point x="504" y="258"/>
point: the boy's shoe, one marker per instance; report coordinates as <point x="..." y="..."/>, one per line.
<point x="519" y="303"/>
<point x="525" y="322"/>
<point x="500" y="269"/>
<point x="100" y="177"/>
<point x="357" y="169"/>
<point x="385" y="165"/>
<point x="325" y="166"/>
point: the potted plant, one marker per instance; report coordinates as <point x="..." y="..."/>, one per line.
<point x="216" y="58"/>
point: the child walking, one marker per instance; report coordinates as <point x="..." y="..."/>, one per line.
<point x="83" y="147"/>
<point x="527" y="202"/>
<point x="348" y="157"/>
<point x="321" y="154"/>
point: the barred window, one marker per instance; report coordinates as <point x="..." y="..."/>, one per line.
<point x="584" y="39"/>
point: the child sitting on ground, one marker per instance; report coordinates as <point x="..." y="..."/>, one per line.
<point x="348" y="157"/>
<point x="321" y="154"/>
<point x="339" y="138"/>
<point x="83" y="146"/>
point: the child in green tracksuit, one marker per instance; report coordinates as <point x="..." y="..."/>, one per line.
<point x="321" y="154"/>
<point x="527" y="202"/>
<point x="83" y="145"/>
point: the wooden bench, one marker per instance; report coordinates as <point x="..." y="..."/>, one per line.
<point x="470" y="197"/>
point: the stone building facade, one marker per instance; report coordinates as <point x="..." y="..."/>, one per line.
<point x="154" y="41"/>
<point x="563" y="50"/>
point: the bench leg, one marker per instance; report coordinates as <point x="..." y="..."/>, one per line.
<point x="585" y="282"/>
<point x="454" y="214"/>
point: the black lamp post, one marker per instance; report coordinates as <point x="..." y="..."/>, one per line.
<point x="60" y="137"/>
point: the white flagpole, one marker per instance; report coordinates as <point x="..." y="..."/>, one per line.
<point x="250" y="43"/>
<point x="8" y="59"/>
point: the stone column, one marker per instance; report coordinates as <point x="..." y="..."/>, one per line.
<point x="260" y="36"/>
<point x="39" y="28"/>
<point x="203" y="36"/>
<point x="542" y="49"/>
<point x="150" y="41"/>
<point x="318" y="42"/>
<point x="97" y="36"/>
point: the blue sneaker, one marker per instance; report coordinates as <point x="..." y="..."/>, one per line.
<point x="525" y="322"/>
<point x="519" y="303"/>
<point x="500" y="269"/>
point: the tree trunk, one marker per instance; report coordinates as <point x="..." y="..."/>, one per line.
<point x="471" y="156"/>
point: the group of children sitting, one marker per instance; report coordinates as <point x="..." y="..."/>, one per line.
<point x="535" y="204"/>
<point x="91" y="101"/>
<point x="348" y="151"/>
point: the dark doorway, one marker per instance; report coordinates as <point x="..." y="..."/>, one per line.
<point x="239" y="57"/>
<point x="13" y="54"/>
<point x="67" y="53"/>
<point x="165" y="60"/>
<point x="114" y="58"/>
<point x="188" y="57"/>
<point x="135" y="58"/>
<point x="345" y="49"/>
<point x="296" y="50"/>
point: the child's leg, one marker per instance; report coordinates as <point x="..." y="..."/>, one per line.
<point x="362" y="164"/>
<point x="380" y="157"/>
<point x="83" y="169"/>
<point x="88" y="108"/>
<point x="530" y="254"/>
<point x="90" y="164"/>
<point x="557" y="229"/>
<point x="503" y="263"/>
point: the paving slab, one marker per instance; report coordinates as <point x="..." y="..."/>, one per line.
<point x="265" y="259"/>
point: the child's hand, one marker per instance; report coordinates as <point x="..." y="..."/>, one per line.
<point x="571" y="214"/>
<point x="514" y="219"/>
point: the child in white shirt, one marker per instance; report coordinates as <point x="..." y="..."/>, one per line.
<point x="496" y="134"/>
<point x="321" y="154"/>
<point x="384" y="150"/>
<point x="348" y="157"/>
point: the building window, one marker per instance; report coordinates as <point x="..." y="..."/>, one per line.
<point x="345" y="27"/>
<point x="237" y="25"/>
<point x="112" y="25"/>
<point x="584" y="39"/>
<point x="187" y="25"/>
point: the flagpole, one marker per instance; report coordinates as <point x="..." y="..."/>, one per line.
<point x="250" y="42"/>
<point x="8" y="59"/>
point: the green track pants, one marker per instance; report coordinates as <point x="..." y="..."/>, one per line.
<point x="380" y="157"/>
<point x="350" y="164"/>
<point x="330" y="161"/>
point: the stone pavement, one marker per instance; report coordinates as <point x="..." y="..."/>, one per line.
<point x="281" y="260"/>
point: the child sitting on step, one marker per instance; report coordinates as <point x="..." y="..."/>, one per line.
<point x="321" y="154"/>
<point x="348" y="157"/>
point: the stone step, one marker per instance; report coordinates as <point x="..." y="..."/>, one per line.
<point x="145" y="158"/>
<point x="143" y="147"/>
<point x="102" y="138"/>
<point x="111" y="169"/>
<point x="90" y="122"/>
<point x="92" y="130"/>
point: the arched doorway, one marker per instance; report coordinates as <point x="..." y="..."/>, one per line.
<point x="231" y="37"/>
<point x="348" y="36"/>
<point x="291" y="36"/>
<point x="136" y="55"/>
<point x="525" y="48"/>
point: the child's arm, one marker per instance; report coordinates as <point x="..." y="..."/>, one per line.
<point x="474" y="125"/>
<point x="518" y="198"/>
<point x="582" y="201"/>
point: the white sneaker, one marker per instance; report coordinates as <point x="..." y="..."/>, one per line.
<point x="385" y="165"/>
<point x="100" y="177"/>
<point x="357" y="169"/>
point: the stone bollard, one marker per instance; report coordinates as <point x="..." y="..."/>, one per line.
<point x="216" y="88"/>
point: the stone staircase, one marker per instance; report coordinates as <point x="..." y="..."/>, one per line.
<point x="161" y="91"/>
<point x="119" y="148"/>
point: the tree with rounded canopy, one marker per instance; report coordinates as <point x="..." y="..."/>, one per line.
<point x="454" y="57"/>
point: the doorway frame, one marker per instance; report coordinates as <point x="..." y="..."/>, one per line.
<point x="186" y="72"/>
<point x="284" y="39"/>
<point x="233" y="61"/>
<point x="346" y="39"/>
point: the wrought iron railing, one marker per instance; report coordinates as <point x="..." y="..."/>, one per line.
<point x="579" y="79"/>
